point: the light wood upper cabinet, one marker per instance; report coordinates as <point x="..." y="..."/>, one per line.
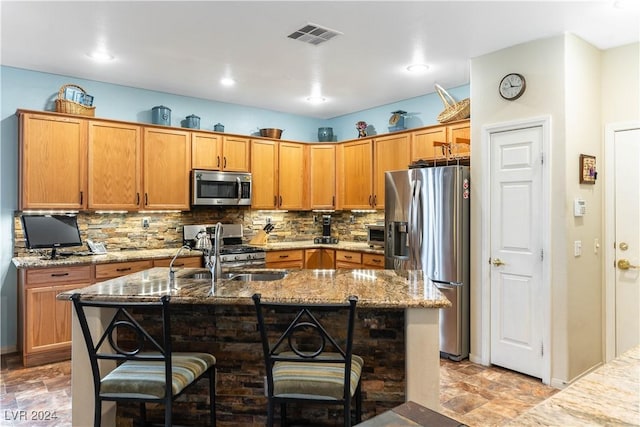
<point x="292" y="178"/>
<point x="355" y="174"/>
<point x="235" y="154"/>
<point x="53" y="162"/>
<point x="460" y="137"/>
<point x="391" y="153"/>
<point x="322" y="176"/>
<point x="264" y="161"/>
<point x="424" y="145"/>
<point x="206" y="151"/>
<point x="114" y="166"/>
<point x="166" y="166"/>
<point x="443" y="142"/>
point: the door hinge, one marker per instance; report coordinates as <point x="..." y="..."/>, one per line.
<point x="541" y="255"/>
<point x="541" y="349"/>
<point x="542" y="158"/>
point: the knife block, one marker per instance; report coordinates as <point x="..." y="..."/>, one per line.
<point x="260" y="238"/>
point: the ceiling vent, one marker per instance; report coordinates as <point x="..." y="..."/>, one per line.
<point x="313" y="34"/>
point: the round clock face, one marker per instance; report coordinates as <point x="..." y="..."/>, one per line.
<point x="512" y="86"/>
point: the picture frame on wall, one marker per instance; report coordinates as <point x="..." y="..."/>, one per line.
<point x="588" y="171"/>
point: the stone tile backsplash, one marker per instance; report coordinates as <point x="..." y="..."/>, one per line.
<point x="121" y="231"/>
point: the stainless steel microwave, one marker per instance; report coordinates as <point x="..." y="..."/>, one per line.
<point x="214" y="188"/>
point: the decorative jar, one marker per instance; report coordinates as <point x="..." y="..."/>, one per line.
<point x="161" y="115"/>
<point x="325" y="134"/>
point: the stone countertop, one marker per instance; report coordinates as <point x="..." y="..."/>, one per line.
<point x="608" y="396"/>
<point x="309" y="244"/>
<point x="114" y="256"/>
<point x="136" y="255"/>
<point x="374" y="288"/>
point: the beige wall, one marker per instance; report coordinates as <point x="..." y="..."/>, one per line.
<point x="563" y="82"/>
<point x="621" y="84"/>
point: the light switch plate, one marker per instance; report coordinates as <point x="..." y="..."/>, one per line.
<point x="577" y="248"/>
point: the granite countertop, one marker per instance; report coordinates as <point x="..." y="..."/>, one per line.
<point x="374" y="288"/>
<point x="142" y="254"/>
<point x="114" y="256"/>
<point x="608" y="396"/>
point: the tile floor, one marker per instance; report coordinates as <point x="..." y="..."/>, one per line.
<point x="473" y="394"/>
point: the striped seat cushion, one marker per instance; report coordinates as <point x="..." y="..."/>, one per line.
<point x="144" y="379"/>
<point x="314" y="379"/>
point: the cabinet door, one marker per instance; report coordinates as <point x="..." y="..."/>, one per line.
<point x="373" y="261"/>
<point x="423" y="144"/>
<point x="319" y="258"/>
<point x="49" y="319"/>
<point x="391" y="153"/>
<point x="206" y="151"/>
<point x="292" y="183"/>
<point x="235" y="154"/>
<point x="322" y="176"/>
<point x="460" y="139"/>
<point x="264" y="158"/>
<point x="285" y="259"/>
<point x="355" y="167"/>
<point x="114" y="166"/>
<point x="167" y="163"/>
<point x="53" y="162"/>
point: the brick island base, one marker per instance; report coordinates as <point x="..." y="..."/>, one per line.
<point x="399" y="346"/>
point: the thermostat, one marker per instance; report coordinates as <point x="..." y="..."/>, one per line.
<point x="579" y="207"/>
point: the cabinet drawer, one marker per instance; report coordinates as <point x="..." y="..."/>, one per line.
<point x="373" y="260"/>
<point x="279" y="256"/>
<point x="117" y="269"/>
<point x="54" y="275"/>
<point x="350" y="257"/>
<point x="191" y="261"/>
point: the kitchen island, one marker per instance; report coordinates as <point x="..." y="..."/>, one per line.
<point x="397" y="334"/>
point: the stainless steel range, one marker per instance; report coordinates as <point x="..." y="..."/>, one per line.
<point x="234" y="255"/>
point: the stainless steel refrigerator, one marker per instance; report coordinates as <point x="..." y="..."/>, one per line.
<point x="427" y="228"/>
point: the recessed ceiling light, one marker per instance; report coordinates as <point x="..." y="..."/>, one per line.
<point x="101" y="56"/>
<point x="316" y="99"/>
<point x="227" y="81"/>
<point x="418" y="68"/>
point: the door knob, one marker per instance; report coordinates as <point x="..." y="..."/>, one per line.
<point x="624" y="264"/>
<point x="497" y="262"/>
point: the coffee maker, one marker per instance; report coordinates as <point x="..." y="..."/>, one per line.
<point x="326" y="232"/>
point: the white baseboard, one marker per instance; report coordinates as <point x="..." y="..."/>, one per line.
<point x="475" y="359"/>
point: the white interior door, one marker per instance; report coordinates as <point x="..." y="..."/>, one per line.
<point x="516" y="250"/>
<point x="627" y="239"/>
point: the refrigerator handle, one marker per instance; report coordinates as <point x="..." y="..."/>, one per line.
<point x="414" y="237"/>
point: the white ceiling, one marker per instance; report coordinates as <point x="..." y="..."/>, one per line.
<point x="185" y="48"/>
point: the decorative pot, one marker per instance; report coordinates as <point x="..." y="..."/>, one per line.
<point x="161" y="115"/>
<point x="325" y="134"/>
<point x="192" y="122"/>
<point x="218" y="127"/>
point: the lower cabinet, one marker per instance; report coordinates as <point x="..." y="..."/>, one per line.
<point x="320" y="258"/>
<point x="285" y="259"/>
<point x="117" y="269"/>
<point x="350" y="259"/>
<point x="44" y="323"/>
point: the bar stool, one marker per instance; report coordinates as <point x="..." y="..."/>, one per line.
<point x="145" y="362"/>
<point x="304" y="360"/>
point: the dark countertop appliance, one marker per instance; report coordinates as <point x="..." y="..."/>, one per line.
<point x="326" y="232"/>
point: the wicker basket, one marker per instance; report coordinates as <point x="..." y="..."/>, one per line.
<point x="453" y="110"/>
<point x="71" y="107"/>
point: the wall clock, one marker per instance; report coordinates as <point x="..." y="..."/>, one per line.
<point x="512" y="86"/>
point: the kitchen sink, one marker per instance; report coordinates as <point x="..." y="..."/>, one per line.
<point x="241" y="277"/>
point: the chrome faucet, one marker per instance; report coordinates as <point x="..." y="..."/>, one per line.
<point x="172" y="272"/>
<point x="211" y="252"/>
